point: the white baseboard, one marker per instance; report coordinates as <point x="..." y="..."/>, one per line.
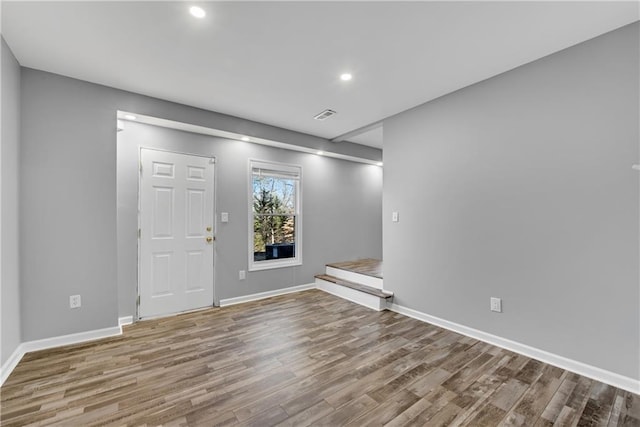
<point x="126" y="320"/>
<point x="11" y="363"/>
<point x="598" y="374"/>
<point x="254" y="297"/>
<point x="79" y="337"/>
<point x="43" y="344"/>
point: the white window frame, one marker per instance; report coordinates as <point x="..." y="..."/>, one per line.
<point x="287" y="169"/>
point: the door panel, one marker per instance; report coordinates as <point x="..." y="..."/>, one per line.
<point x="162" y="213"/>
<point x="161" y="274"/>
<point x="195" y="260"/>
<point x="163" y="169"/>
<point x="195" y="213"/>
<point x="195" y="173"/>
<point x="176" y="210"/>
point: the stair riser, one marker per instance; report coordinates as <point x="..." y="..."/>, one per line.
<point x="374" y="282"/>
<point x="367" y="300"/>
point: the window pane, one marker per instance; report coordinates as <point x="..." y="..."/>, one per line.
<point x="273" y="237"/>
<point x="276" y="215"/>
<point x="273" y="195"/>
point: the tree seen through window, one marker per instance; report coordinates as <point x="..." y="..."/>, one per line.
<point x="274" y="217"/>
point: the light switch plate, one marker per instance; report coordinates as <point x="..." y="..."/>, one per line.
<point x="395" y="216"/>
<point x="224" y="217"/>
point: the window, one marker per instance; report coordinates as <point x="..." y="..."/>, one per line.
<point x="274" y="215"/>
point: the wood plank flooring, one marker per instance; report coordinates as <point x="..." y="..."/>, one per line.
<point x="307" y="358"/>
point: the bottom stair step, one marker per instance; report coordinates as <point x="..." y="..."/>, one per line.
<point x="357" y="286"/>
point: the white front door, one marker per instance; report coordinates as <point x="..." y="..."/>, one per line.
<point x="176" y="233"/>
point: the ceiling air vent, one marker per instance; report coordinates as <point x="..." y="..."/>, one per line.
<point x="324" y="115"/>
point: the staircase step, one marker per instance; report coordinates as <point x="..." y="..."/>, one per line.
<point x="357" y="286"/>
<point x="366" y="266"/>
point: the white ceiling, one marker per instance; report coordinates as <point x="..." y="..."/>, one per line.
<point x="279" y="62"/>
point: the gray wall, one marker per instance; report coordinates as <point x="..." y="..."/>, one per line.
<point x="521" y="187"/>
<point x="10" y="291"/>
<point x="342" y="210"/>
<point x="68" y="200"/>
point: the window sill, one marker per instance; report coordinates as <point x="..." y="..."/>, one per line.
<point x="269" y="265"/>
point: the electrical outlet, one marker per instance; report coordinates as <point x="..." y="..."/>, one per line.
<point x="496" y="304"/>
<point x="242" y="275"/>
<point x="75" y="301"/>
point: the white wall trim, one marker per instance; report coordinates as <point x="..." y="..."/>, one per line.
<point x="598" y="374"/>
<point x="126" y="320"/>
<point x="10" y="364"/>
<point x="79" y="337"/>
<point x="43" y="344"/>
<point x="254" y="297"/>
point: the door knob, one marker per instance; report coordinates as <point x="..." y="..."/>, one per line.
<point x="209" y="239"/>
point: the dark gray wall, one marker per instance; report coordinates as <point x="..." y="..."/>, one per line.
<point x="342" y="210"/>
<point x="10" y="280"/>
<point x="68" y="199"/>
<point x="521" y="187"/>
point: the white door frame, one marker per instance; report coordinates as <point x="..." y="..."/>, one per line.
<point x="213" y="160"/>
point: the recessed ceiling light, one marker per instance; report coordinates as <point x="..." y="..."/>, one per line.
<point x="129" y="117"/>
<point x="198" y="12"/>
<point x="346" y="77"/>
<point x="320" y="153"/>
<point x="245" y="138"/>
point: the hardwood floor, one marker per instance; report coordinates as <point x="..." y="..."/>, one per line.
<point x="300" y="359"/>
